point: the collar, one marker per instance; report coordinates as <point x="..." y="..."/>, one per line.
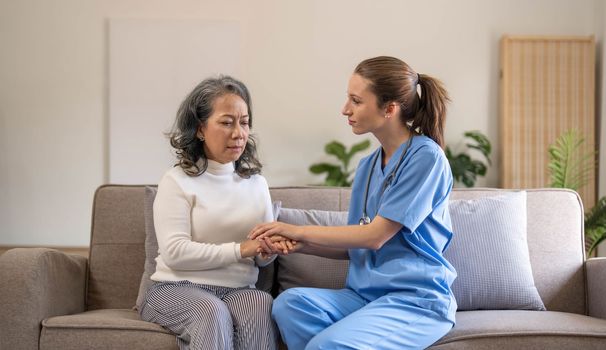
<point x="217" y="168"/>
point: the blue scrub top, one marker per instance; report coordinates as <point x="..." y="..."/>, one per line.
<point x="411" y="263"/>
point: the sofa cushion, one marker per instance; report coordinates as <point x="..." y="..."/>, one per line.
<point x="104" y="329"/>
<point x="521" y="329"/>
<point x="266" y="273"/>
<point x="301" y="270"/>
<point x="489" y="250"/>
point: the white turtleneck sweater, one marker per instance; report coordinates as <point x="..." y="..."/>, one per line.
<point x="200" y="221"/>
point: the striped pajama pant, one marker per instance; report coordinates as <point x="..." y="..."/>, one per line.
<point x="212" y="317"/>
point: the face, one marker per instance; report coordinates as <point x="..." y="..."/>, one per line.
<point x="361" y="110"/>
<point x="226" y="130"/>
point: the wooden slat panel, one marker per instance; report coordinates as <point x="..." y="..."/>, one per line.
<point x="547" y="88"/>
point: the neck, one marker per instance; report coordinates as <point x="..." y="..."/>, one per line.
<point x="218" y="168"/>
<point x="391" y="138"/>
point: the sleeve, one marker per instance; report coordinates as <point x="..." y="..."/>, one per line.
<point x="418" y="188"/>
<point x="268" y="217"/>
<point x="172" y="209"/>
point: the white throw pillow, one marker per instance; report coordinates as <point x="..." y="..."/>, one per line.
<point x="489" y="250"/>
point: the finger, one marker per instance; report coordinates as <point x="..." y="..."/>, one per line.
<point x="256" y="231"/>
<point x="269" y="247"/>
<point x="277" y="238"/>
<point x="260" y="231"/>
<point x="266" y="248"/>
<point x="289" y="245"/>
<point x="278" y="249"/>
<point x="283" y="247"/>
<point x="251" y="232"/>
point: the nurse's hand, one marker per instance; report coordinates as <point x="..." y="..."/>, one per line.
<point x="270" y="229"/>
<point x="278" y="245"/>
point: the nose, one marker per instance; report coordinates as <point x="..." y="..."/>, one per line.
<point x="238" y="132"/>
<point x="346" y="110"/>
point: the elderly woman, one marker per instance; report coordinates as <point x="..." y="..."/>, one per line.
<point x="206" y="269"/>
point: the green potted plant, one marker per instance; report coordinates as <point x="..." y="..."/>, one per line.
<point x="338" y="174"/>
<point x="570" y="169"/>
<point x="466" y="169"/>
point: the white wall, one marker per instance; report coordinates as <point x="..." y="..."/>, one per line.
<point x="297" y="58"/>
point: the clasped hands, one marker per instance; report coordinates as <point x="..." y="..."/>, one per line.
<point x="276" y="238"/>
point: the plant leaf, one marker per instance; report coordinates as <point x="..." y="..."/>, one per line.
<point x="322" y="168"/>
<point x="482" y="143"/>
<point x="337" y="149"/>
<point x="594" y="237"/>
<point x="359" y="147"/>
<point x="569" y="168"/>
<point x="464" y="169"/>
<point x="597" y="216"/>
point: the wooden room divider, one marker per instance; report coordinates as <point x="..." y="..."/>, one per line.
<point x="547" y="88"/>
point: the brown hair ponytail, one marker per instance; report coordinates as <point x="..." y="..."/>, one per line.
<point x="430" y="114"/>
<point x="392" y="80"/>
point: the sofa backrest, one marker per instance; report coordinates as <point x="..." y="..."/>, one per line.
<point x="555" y="239"/>
<point x="117" y="247"/>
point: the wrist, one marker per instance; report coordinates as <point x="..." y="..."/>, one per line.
<point x="238" y="251"/>
<point x="300" y="230"/>
<point x="248" y="249"/>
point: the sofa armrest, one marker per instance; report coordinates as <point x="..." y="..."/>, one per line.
<point x="37" y="283"/>
<point x="596" y="287"/>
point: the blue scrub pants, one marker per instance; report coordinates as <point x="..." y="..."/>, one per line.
<point x="312" y="318"/>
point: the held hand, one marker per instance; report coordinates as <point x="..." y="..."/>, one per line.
<point x="249" y="248"/>
<point x="276" y="228"/>
<point x="290" y="245"/>
<point x="278" y="245"/>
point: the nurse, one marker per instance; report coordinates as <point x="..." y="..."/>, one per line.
<point x="398" y="289"/>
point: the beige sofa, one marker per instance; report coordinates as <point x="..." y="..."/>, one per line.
<point x="50" y="300"/>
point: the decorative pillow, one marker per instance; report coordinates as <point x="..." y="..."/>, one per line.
<point x="490" y="253"/>
<point x="301" y="270"/>
<point x="266" y="273"/>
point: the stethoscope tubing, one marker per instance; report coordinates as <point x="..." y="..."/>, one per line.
<point x="365" y="219"/>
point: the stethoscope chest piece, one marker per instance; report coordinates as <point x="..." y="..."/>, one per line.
<point x="365" y="220"/>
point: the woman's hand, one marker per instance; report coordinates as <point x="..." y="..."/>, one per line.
<point x="249" y="248"/>
<point x="278" y="245"/>
<point x="270" y="229"/>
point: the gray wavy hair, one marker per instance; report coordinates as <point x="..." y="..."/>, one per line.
<point x="194" y="112"/>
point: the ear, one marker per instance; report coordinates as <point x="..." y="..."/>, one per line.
<point x="392" y="109"/>
<point x="200" y="132"/>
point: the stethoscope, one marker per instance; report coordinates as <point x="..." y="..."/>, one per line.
<point x="365" y="219"/>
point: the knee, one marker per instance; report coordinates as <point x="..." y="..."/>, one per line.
<point x="258" y="306"/>
<point x="285" y="303"/>
<point x="264" y="301"/>
<point x="325" y="341"/>
<point x="213" y="311"/>
<point x="318" y="343"/>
